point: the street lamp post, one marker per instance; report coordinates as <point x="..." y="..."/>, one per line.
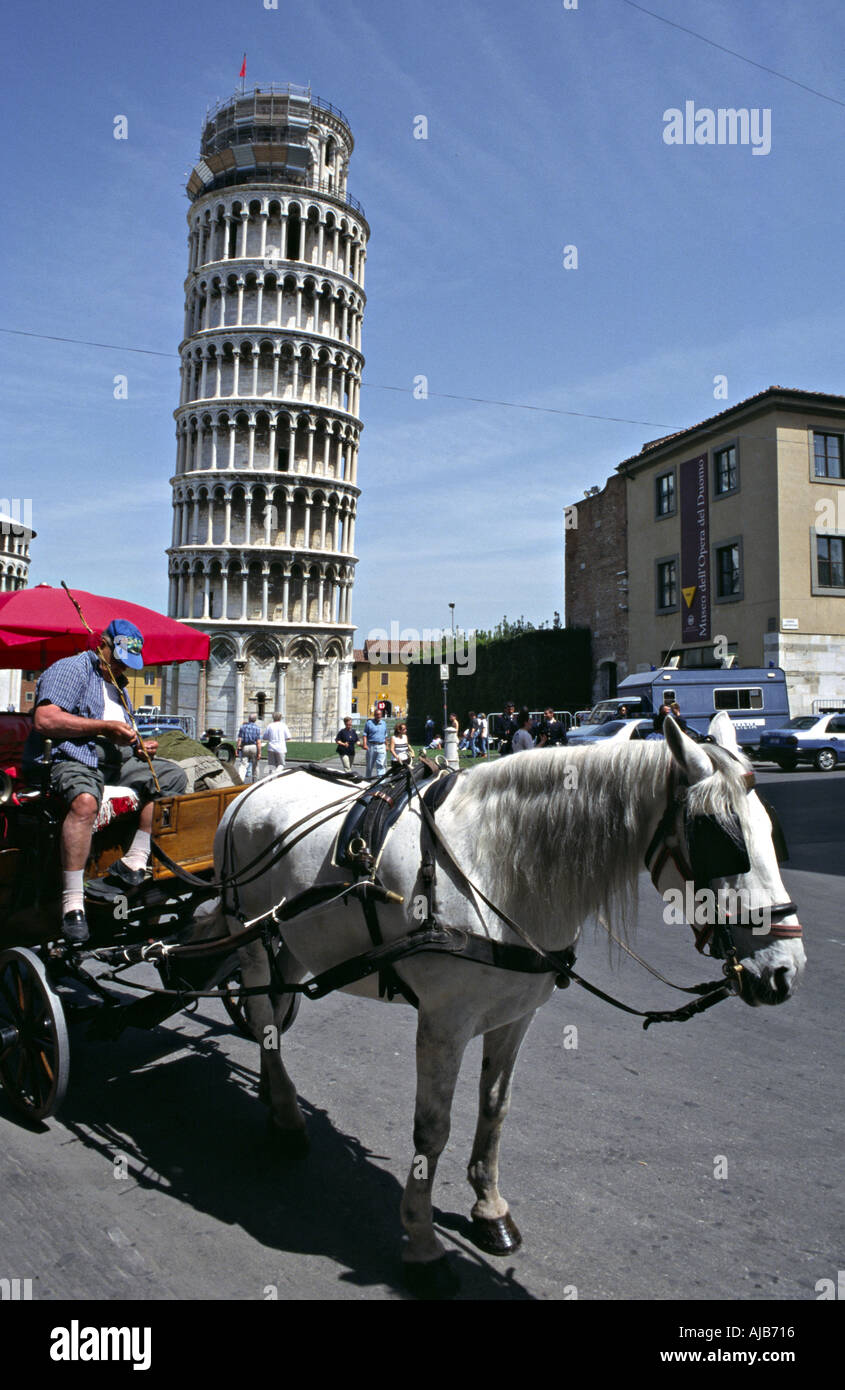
<point x="444" y="674"/>
<point x="450" y="737"/>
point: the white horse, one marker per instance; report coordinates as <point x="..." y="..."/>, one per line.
<point x="552" y="838"/>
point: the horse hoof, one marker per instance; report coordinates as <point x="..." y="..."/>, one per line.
<point x="288" y="1143"/>
<point x="496" y="1235"/>
<point x="435" y="1280"/>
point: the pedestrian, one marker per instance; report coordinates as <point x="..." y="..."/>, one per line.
<point x="675" y="711"/>
<point x="345" y="744"/>
<point x="400" y="748"/>
<point x="374" y="744"/>
<point x="429" y="731"/>
<point x="506" y="727"/>
<point x="522" y="739"/>
<point x="481" y="741"/>
<point x="248" y="748"/>
<point x="473" y="733"/>
<point x="550" y="732"/>
<point x="277" y="734"/>
<point x="657" y="722"/>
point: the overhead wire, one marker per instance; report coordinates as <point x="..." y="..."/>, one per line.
<point x="773" y="72"/>
<point x="407" y="390"/>
<point x="371" y="385"/>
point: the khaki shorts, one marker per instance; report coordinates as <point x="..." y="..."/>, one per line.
<point x="70" y="779"/>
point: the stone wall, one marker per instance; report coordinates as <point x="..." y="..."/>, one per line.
<point x="814" y="666"/>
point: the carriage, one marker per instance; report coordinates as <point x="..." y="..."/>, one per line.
<point x="41" y="978"/>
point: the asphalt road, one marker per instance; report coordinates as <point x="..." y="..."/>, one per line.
<point x="610" y="1153"/>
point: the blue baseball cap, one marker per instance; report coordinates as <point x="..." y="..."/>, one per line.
<point x="128" y="642"/>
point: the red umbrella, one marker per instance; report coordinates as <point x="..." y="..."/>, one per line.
<point x="40" y="625"/>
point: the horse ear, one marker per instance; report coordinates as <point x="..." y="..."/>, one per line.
<point x="691" y="759"/>
<point x="723" y="731"/>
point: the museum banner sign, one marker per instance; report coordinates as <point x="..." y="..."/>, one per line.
<point x="695" y="550"/>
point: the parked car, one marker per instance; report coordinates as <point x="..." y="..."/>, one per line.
<point x="808" y="738"/>
<point x="612" y="730"/>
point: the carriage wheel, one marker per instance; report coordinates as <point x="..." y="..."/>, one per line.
<point x="34" y="1049"/>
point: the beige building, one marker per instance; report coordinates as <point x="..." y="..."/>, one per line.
<point x="735" y="545"/>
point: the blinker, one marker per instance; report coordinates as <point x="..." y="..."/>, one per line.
<point x="778" y="838"/>
<point x="714" y="852"/>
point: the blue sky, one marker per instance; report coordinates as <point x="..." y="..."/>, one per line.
<point x="545" y="129"/>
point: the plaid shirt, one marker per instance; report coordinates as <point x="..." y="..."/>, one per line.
<point x="75" y="684"/>
<point x="249" y="733"/>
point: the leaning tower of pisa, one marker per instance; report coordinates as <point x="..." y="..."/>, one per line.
<point x="265" y="487"/>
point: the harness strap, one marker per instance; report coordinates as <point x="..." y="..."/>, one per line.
<point x="277" y="849"/>
<point x="437" y="939"/>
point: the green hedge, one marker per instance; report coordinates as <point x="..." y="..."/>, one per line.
<point x="539" y="667"/>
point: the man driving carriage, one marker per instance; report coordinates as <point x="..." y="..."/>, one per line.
<point x="78" y="707"/>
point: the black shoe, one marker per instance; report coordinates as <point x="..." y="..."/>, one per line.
<point x="75" y="927"/>
<point x="121" y="873"/>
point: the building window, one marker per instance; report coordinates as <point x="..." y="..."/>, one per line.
<point x="728" y="571"/>
<point x="385" y="677"/>
<point x="750" y="697"/>
<point x="667" y="585"/>
<point x="664" y="489"/>
<point x="830" y="555"/>
<point x="725" y="473"/>
<point x="827" y="449"/>
<point x="149" y="677"/>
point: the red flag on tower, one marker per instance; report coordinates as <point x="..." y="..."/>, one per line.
<point x="242" y="72"/>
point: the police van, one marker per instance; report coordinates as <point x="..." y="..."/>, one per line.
<point x="754" y="697"/>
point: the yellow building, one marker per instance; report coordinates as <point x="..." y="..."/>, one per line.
<point x="145" y="687"/>
<point x="379" y="675"/>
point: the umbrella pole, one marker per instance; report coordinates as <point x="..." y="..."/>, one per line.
<point x="129" y="715"/>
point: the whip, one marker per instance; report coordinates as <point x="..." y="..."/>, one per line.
<point x="130" y="718"/>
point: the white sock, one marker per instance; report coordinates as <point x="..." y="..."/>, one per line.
<point x="72" y="893"/>
<point x="139" y="851"/>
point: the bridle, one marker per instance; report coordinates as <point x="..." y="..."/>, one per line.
<point x="703" y="850"/>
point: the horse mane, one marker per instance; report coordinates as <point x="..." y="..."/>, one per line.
<point x="559" y="834"/>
